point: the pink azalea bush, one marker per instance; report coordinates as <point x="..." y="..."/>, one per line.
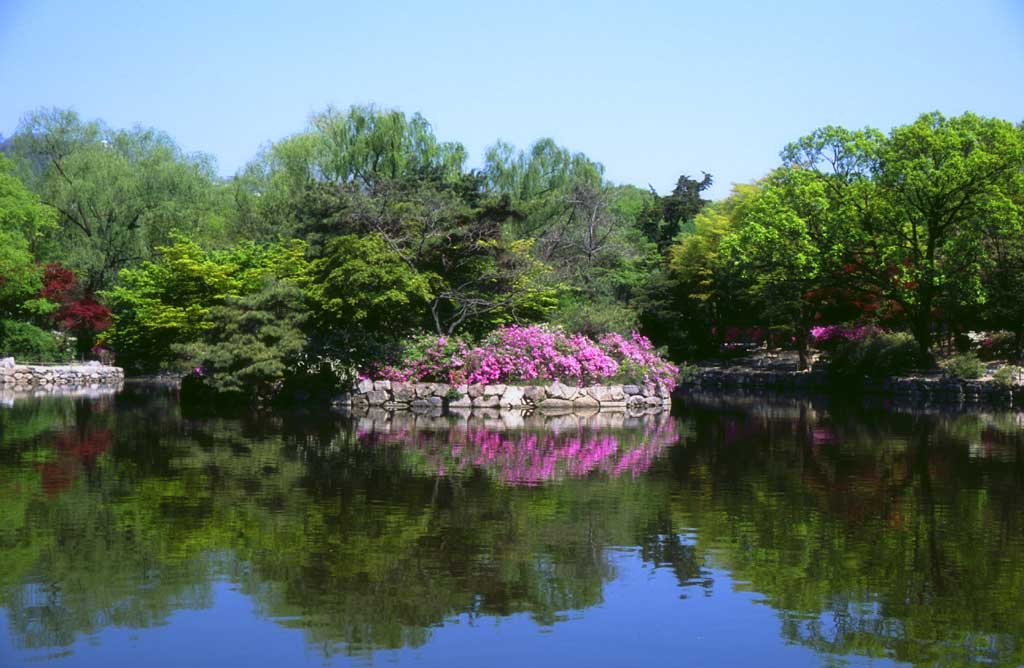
<point x="532" y="353"/>
<point x="829" y="336"/>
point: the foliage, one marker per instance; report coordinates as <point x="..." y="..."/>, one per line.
<point x="167" y="302"/>
<point x="967" y="366"/>
<point x="877" y="355"/>
<point x="119" y="193"/>
<point x="28" y="343"/>
<point x="78" y="313"/>
<point x="253" y="343"/>
<point x="1009" y="375"/>
<point x="523" y="354"/>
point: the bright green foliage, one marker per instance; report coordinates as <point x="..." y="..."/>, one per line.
<point x="23" y="222"/>
<point x="253" y="343"/>
<point x="784" y="246"/>
<point x="924" y="199"/>
<point x="168" y="301"/>
<point x="363" y="282"/>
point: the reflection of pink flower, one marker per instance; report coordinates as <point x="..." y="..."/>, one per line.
<point x="823" y="435"/>
<point x="531" y="458"/>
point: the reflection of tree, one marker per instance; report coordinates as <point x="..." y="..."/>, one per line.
<point x="352" y="544"/>
<point x="871" y="533"/>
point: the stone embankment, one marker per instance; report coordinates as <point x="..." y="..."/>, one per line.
<point x="924" y="388"/>
<point x="45" y="376"/>
<point x="553" y="397"/>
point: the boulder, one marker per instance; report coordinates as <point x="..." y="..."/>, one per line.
<point x="402" y="393"/>
<point x="558" y="390"/>
<point x="607" y="393"/>
<point x="382" y="384"/>
<point x="513" y="396"/>
<point x="475" y="391"/>
<point x="364" y="386"/>
<point x="377" y="397"/>
<point x="631" y="389"/>
<point x="7" y="363"/>
<point x="494" y="390"/>
<point x="534" y="394"/>
<point x="462" y="401"/>
<point x="555" y="403"/>
<point x="586" y="401"/>
<point x="491" y="401"/>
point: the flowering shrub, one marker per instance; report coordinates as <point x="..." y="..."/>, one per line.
<point x="523" y="354"/>
<point x="830" y="336"/>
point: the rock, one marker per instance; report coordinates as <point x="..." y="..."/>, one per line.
<point x="491" y="401"/>
<point x="377" y="397"/>
<point x="475" y="391"/>
<point x="607" y="393"/>
<point x="496" y="390"/>
<point x="441" y="390"/>
<point x="585" y="401"/>
<point x="631" y="389"/>
<point x="402" y="393"/>
<point x="634" y="400"/>
<point x="7" y="363"/>
<point x="436" y="402"/>
<point x="557" y="390"/>
<point x="555" y="403"/>
<point x="652" y="401"/>
<point x="382" y="384"/>
<point x="462" y="401"/>
<point x="534" y="394"/>
<point x="513" y="396"/>
<point x="364" y="386"/>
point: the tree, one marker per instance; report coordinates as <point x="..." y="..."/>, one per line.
<point x="253" y="343"/>
<point x="167" y="301"/>
<point x="922" y="196"/>
<point x="118" y="193"/>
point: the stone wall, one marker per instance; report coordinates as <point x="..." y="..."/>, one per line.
<point x="552" y="397"/>
<point x="44" y="376"/>
<point x="923" y="388"/>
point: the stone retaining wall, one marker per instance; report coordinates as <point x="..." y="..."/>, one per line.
<point x="553" y="397"/>
<point x="921" y="388"/>
<point x="35" y="376"/>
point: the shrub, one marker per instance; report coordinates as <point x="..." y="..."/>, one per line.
<point x="831" y="337"/>
<point x="966" y="366"/>
<point x="876" y="354"/>
<point x="27" y="342"/>
<point x="536" y="353"/>
<point x="1008" y="375"/>
<point x="997" y="345"/>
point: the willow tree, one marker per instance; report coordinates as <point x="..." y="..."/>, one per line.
<point x="118" y="193"/>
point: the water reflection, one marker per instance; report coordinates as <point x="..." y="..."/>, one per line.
<point x="869" y="533"/>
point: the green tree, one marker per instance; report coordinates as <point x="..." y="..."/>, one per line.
<point x="167" y="301"/>
<point x="119" y="193"/>
<point x="253" y="343"/>
<point x="922" y="196"/>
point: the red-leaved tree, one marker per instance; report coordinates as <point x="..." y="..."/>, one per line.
<point x="78" y="312"/>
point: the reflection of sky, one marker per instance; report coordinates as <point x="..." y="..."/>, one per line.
<point x="643" y="620"/>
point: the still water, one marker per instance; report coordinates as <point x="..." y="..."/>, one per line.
<point x="738" y="531"/>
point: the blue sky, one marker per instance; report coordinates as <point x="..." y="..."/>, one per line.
<point x="650" y="89"/>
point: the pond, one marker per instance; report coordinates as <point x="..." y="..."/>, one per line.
<point x="739" y="530"/>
